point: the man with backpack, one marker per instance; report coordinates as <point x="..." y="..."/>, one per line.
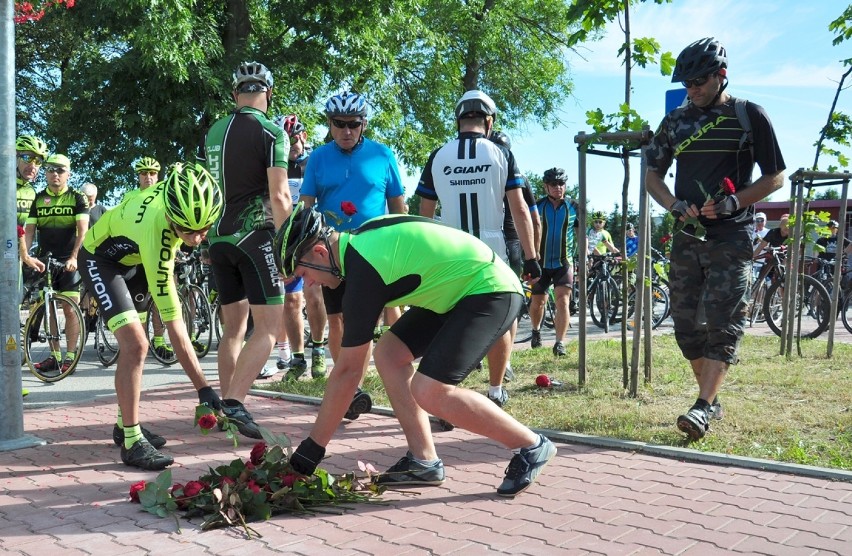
<point x="716" y="139"/>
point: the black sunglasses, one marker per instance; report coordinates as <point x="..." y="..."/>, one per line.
<point x="340" y="124"/>
<point x="56" y="170"/>
<point x="698" y="81"/>
<point x="556" y="183"/>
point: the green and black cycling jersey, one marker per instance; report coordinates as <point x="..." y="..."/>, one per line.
<point x="25" y="194"/>
<point x="398" y="260"/>
<point x="55" y="216"/>
<point x="239" y="149"/>
<point x="137" y="232"/>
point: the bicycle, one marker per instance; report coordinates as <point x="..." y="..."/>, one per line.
<point x="54" y="321"/>
<point x="195" y="309"/>
<point x="524" y="332"/>
<point x="812" y="302"/>
<point x="603" y="290"/>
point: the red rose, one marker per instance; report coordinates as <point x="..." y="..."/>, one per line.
<point x="728" y="186"/>
<point x="289" y="480"/>
<point x="135" y="489"/>
<point x="193" y="488"/>
<point x="542" y="381"/>
<point x="257" y="453"/>
<point x="176" y="487"/>
<point x="665" y="239"/>
<point x="252" y="486"/>
<point x="228" y="481"/>
<point x="207" y="421"/>
<point x="348" y="208"/>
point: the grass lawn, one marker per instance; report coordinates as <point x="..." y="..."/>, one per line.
<point x="796" y="411"/>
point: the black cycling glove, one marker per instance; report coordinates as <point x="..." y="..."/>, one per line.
<point x="306" y="457"/>
<point x="532" y="269"/>
<point x="210" y="398"/>
<point x="726" y="206"/>
<point x="679" y="208"/>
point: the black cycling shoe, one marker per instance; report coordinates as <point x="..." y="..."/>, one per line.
<point x="239" y="416"/>
<point x="361" y="403"/>
<point x="156" y="440"/>
<point x="145" y="456"/>
<point x="695" y="423"/>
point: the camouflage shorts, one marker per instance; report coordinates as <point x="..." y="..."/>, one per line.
<point x="709" y="285"/>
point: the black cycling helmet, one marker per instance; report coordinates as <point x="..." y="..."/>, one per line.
<point x="700" y="58"/>
<point x="554" y="175"/>
<point x="501" y="138"/>
<point x="832" y="223"/>
<point x="302" y="229"/>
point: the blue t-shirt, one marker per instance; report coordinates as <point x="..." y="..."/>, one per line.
<point x="366" y="177"/>
<point x="557" y="232"/>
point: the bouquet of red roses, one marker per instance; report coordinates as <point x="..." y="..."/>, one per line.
<point x="255" y="489"/>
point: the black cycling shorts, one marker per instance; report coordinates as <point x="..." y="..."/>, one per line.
<point x="454" y="343"/>
<point x="120" y="290"/>
<point x="246" y="269"/>
<point x="562" y="276"/>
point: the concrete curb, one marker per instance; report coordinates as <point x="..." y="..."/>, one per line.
<point x="671" y="452"/>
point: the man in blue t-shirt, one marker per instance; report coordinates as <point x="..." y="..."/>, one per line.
<point x="350" y="180"/>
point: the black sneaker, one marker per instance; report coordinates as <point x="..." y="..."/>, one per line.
<point x="525" y="467"/>
<point x="535" y="341"/>
<point x="407" y="472"/>
<point x="243" y="420"/>
<point x="558" y="349"/>
<point x="298" y="367"/>
<point x="501" y="398"/>
<point x="145" y="456"/>
<point x="155" y="440"/>
<point x="361" y="403"/>
<point x="695" y="423"/>
<point x="49" y="364"/>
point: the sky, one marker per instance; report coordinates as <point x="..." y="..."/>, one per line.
<point x="780" y="56"/>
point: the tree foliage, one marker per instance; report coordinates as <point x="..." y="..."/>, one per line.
<point x="107" y="82"/>
<point x="837" y="131"/>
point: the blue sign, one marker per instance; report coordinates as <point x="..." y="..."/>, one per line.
<point x="675" y="98"/>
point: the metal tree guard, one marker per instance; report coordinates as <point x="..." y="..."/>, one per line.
<point x="642" y="310"/>
<point x="800" y="180"/>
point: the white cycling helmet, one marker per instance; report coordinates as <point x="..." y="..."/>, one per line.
<point x="252" y="77"/>
<point x="477" y="102"/>
<point x="346" y="103"/>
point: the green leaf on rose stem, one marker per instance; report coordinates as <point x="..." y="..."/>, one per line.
<point x="261" y="511"/>
<point x="164" y="480"/>
<point x="162" y="512"/>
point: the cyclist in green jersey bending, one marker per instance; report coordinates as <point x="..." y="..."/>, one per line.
<point x="147" y="229"/>
<point x="463" y="298"/>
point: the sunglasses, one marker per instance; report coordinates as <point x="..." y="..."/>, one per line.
<point x="759" y="220"/>
<point x="189" y="232"/>
<point x="148" y="173"/>
<point x="340" y="124"/>
<point x="557" y="183"/>
<point x="31" y="159"/>
<point x="697" y="82"/>
<point x="598" y="221"/>
<point x="56" y="170"/>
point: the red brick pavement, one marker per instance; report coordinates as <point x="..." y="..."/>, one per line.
<point x="70" y="496"/>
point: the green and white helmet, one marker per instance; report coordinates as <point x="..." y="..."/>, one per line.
<point x="191" y="197"/>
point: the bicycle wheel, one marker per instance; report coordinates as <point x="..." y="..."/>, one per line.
<point x="846" y="311"/>
<point x="200" y="321"/>
<point x="660" y="307"/>
<point x="814" y="307"/>
<point x="106" y="345"/>
<point x="164" y="352"/>
<point x="54" y="329"/>
<point x="524" y="332"/>
<point x="604" y="303"/>
<point x="549" y="319"/>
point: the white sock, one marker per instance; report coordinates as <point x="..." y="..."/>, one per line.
<point x="494" y="391"/>
<point x="284" y="350"/>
